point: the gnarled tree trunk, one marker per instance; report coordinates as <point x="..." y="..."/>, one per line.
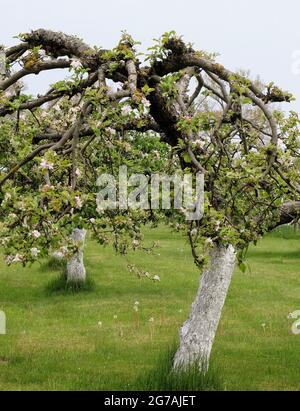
<point x="75" y="266"/>
<point x="198" y="332"/>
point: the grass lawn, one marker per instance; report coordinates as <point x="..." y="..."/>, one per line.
<point x="74" y="342"/>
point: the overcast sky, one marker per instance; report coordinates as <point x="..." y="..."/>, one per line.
<point x="260" y="35"/>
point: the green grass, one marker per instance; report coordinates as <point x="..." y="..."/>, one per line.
<point x="60" y="285"/>
<point x="71" y="341"/>
<point x="164" y="378"/>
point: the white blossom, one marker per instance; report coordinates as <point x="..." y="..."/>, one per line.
<point x="46" y="165"/>
<point x="111" y="131"/>
<point x="9" y="259"/>
<point x="126" y="110"/>
<point x="76" y="64"/>
<point x="99" y="209"/>
<point x="146" y="103"/>
<point x="17" y="258"/>
<point x="34" y="252"/>
<point x="46" y="187"/>
<point x="157" y="154"/>
<point x="194" y="231"/>
<point x="198" y="143"/>
<point x="136" y="113"/>
<point x="217" y="225"/>
<point x="36" y="234"/>
<point x="237" y="155"/>
<point x="78" y="202"/>
<point x="281" y="145"/>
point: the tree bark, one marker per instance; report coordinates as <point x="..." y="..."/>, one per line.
<point x="198" y="332"/>
<point x="76" y="271"/>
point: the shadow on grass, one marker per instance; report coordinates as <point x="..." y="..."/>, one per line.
<point x="60" y="285"/>
<point x="164" y="378"/>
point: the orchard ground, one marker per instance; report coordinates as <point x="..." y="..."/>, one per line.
<point x="95" y="340"/>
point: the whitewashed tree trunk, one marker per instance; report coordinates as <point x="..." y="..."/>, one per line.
<point x="198" y="332"/>
<point x="75" y="266"/>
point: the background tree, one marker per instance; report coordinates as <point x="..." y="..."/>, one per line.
<point x="207" y="120"/>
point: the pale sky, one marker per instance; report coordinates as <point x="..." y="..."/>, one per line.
<point x="260" y="35"/>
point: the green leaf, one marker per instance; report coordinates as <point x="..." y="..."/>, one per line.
<point x="187" y="158"/>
